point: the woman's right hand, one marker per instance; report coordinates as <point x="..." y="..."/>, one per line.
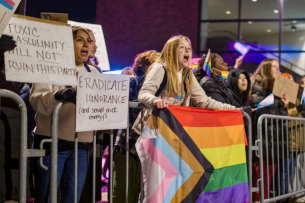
<point x="161" y="103"/>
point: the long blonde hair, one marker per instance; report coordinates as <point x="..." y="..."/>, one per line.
<point x="264" y="71"/>
<point x="169" y="57"/>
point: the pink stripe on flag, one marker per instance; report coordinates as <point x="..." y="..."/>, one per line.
<point x="170" y="172"/>
<point x="10" y="2"/>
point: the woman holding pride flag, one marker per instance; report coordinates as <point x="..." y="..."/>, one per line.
<point x="44" y="98"/>
<point x="211" y="73"/>
<point x="181" y="85"/>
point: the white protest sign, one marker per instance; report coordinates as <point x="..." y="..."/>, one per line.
<point x="44" y="52"/>
<point x="101" y="101"/>
<point x="101" y="52"/>
<point x="7" y="9"/>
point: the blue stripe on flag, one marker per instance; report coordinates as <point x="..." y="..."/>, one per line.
<point x="184" y="171"/>
<point x="8" y="6"/>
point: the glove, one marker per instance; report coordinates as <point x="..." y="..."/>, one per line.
<point x="68" y="94"/>
<point x="7" y="43"/>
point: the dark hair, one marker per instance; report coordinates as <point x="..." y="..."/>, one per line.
<point x="75" y="29"/>
<point x="200" y="73"/>
<point x="143" y="61"/>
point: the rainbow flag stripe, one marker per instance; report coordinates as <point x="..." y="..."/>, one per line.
<point x="223" y="76"/>
<point x="207" y="67"/>
<point x="9" y="4"/>
<point x="194" y="155"/>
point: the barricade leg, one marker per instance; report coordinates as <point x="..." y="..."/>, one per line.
<point x="23" y="141"/>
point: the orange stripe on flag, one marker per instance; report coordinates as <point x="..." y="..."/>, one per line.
<point x="224" y="136"/>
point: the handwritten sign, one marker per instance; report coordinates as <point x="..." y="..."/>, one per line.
<point x="102" y="101"/>
<point x="44" y="52"/>
<point x="101" y="52"/>
<point x="60" y="17"/>
<point x="7" y="9"/>
<point x="283" y="86"/>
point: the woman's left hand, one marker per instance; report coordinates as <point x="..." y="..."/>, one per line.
<point x="285" y="100"/>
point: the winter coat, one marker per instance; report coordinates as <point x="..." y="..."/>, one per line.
<point x="152" y="83"/>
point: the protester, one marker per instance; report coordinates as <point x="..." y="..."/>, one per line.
<point x="141" y="63"/>
<point x="262" y="86"/>
<point x="9" y="130"/>
<point x="214" y="85"/>
<point x="181" y="86"/>
<point x="92" y="58"/>
<point x="296" y="144"/>
<point x="43" y="98"/>
<point x="238" y="86"/>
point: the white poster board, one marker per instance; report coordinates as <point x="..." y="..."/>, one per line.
<point x="44" y="52"/>
<point x="101" y="52"/>
<point x="101" y="101"/>
<point x="7" y="9"/>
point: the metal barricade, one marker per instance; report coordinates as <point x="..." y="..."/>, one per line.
<point x="280" y="140"/>
<point x="24" y="152"/>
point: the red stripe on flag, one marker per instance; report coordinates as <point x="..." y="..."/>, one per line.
<point x="10" y="2"/>
<point x="199" y="117"/>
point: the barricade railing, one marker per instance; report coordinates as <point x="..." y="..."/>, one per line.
<point x="248" y="124"/>
<point x="279" y="145"/>
<point x="24" y="152"/>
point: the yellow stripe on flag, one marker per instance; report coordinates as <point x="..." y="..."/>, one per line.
<point x="225" y="156"/>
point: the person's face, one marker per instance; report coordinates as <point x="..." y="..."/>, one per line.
<point x="220" y="65"/>
<point x="93" y="45"/>
<point x="184" y="53"/>
<point x="242" y="82"/>
<point x="275" y="70"/>
<point x="81" y="47"/>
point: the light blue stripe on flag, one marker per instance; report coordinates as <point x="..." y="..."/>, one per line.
<point x="8" y="6"/>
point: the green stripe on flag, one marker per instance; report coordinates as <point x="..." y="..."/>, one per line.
<point x="226" y="177"/>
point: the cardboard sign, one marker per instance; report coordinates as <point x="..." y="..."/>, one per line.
<point x="101" y="52"/>
<point x="283" y="86"/>
<point x="60" y="17"/>
<point x="7" y="9"/>
<point x="44" y="52"/>
<point x="101" y="101"/>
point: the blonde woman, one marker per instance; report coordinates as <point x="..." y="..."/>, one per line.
<point x="181" y="86"/>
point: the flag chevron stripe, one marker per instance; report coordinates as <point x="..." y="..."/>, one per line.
<point x="238" y="174"/>
<point x="187" y="145"/>
<point x="177" y="162"/>
<point x="236" y="193"/>
<point x="211" y="118"/>
<point x="226" y="136"/>
<point x="170" y="171"/>
<point x="225" y="156"/>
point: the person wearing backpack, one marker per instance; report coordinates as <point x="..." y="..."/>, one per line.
<point x="181" y="86"/>
<point x="142" y="62"/>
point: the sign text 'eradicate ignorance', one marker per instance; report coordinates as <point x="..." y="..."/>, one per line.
<point x="102" y="101"/>
<point x="44" y="53"/>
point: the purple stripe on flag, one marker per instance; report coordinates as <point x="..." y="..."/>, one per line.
<point x="234" y="194"/>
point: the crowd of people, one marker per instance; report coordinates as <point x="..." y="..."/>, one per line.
<point x="157" y="80"/>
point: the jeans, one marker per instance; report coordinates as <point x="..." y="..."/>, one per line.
<point x="65" y="172"/>
<point x="292" y="161"/>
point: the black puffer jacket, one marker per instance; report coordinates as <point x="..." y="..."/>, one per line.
<point x="216" y="89"/>
<point x="240" y="100"/>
